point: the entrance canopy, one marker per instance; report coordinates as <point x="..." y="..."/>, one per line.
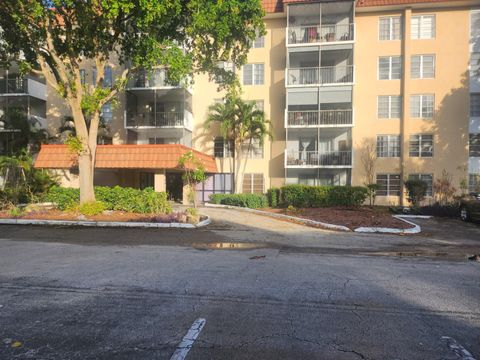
<point x="162" y="156"/>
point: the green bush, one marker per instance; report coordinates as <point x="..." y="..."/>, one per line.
<point x="273" y="196"/>
<point x="416" y="191"/>
<point x="323" y="196"/>
<point x="252" y="201"/>
<point x="91" y="208"/>
<point x="145" y="201"/>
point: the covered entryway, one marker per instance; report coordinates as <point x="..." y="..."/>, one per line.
<point x="175" y="186"/>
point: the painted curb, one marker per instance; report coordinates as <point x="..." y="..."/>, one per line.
<point x="326" y="226"/>
<point x="106" y="224"/>
<point x="414" y="230"/>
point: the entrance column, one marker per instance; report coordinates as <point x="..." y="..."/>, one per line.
<point x="160" y="181"/>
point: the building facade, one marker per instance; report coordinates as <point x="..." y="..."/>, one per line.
<point x="387" y="85"/>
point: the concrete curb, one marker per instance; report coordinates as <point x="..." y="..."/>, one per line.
<point x="111" y="224"/>
<point x="281" y="216"/>
<point x="415" y="230"/>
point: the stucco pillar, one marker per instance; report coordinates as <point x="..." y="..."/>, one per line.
<point x="160" y="181"/>
<point x="186" y="194"/>
<point x="404" y="136"/>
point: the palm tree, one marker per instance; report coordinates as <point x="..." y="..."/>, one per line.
<point x="240" y="122"/>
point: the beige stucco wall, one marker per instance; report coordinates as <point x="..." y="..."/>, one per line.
<point x="450" y="86"/>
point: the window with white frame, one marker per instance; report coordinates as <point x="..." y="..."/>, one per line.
<point x="474" y="183"/>
<point x="422" y="106"/>
<point x="252" y="149"/>
<point x="474" y="145"/>
<point x="252" y="184"/>
<point x="222" y="148"/>
<point x="475" y="104"/>
<point x="226" y="66"/>
<point x="259" y="42"/>
<point x="106" y="113"/>
<point x="428" y="178"/>
<point x="423" y="27"/>
<point x="475" y="65"/>
<point x="253" y="74"/>
<point x="388" y="146"/>
<point x="389" y="67"/>
<point x="421" y="145"/>
<point x="388" y="184"/>
<point x="259" y="104"/>
<point x="389" y="106"/>
<point x="423" y="67"/>
<point x="390" y="28"/>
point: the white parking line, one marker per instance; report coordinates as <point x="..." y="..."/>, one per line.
<point x="458" y="349"/>
<point x="187" y="342"/>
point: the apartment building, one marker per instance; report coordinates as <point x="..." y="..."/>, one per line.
<point x="336" y="79"/>
<point x="19" y="94"/>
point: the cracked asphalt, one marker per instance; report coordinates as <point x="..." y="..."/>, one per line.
<point x="294" y="293"/>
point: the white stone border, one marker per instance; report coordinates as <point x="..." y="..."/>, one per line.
<point x="112" y="224"/>
<point x="414" y="230"/>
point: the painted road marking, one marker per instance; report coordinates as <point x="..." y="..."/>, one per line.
<point x="458" y="349"/>
<point x="187" y="342"/>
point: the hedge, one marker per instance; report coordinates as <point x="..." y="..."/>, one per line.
<point x="145" y="201"/>
<point x="273" y="196"/>
<point x="322" y="196"/>
<point x="252" y="201"/>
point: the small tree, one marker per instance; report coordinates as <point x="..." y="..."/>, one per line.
<point x="416" y="191"/>
<point x="194" y="174"/>
<point x="372" y="193"/>
<point x="444" y="189"/>
<point x="368" y="156"/>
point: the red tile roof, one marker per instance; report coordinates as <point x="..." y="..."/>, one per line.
<point x="122" y="157"/>
<point x="275" y="6"/>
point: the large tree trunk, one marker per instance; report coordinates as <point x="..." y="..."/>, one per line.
<point x="85" y="167"/>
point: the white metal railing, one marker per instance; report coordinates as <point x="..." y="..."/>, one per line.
<point x="320" y="33"/>
<point x="320" y="117"/>
<point x="318" y="158"/>
<point x="154" y="79"/>
<point x="320" y="75"/>
<point x="159" y="119"/>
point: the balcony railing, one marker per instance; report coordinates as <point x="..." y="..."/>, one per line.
<point x="14" y="85"/>
<point x="155" y="79"/>
<point x="319" y="158"/>
<point x="320" y="118"/>
<point x="320" y="33"/>
<point x="159" y="119"/>
<point x="320" y="75"/>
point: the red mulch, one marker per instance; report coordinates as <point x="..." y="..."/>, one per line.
<point x="350" y="217"/>
<point x="112" y="216"/>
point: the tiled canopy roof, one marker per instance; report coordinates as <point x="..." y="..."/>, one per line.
<point x="273" y="6"/>
<point x="122" y="157"/>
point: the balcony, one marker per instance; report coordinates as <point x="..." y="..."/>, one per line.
<point x="327" y="75"/>
<point x="18" y="85"/>
<point x="151" y="80"/>
<point x="176" y="119"/>
<point x="318" y="159"/>
<point x="315" y="118"/>
<point x="315" y="34"/>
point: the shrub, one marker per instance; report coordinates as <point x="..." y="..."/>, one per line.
<point x="273" y="196"/>
<point x="92" y="208"/>
<point x="252" y="201"/>
<point x="416" y="191"/>
<point x="323" y="196"/>
<point x="145" y="201"/>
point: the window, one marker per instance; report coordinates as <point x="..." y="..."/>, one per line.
<point x="474" y="183"/>
<point x="423" y="27"/>
<point x="428" y="178"/>
<point x="389" y="67"/>
<point x="259" y="105"/>
<point x="474" y="145"/>
<point x="147" y="180"/>
<point x="253" y="74"/>
<point x="421" y="106"/>
<point x="389" y="184"/>
<point x="475" y="105"/>
<point x="389" y="107"/>
<point x="390" y="28"/>
<point x="215" y="184"/>
<point x="82" y="76"/>
<point x="259" y="42"/>
<point x="226" y="66"/>
<point x="106" y="113"/>
<point x="252" y="184"/>
<point x="222" y="148"/>
<point x="475" y="65"/>
<point x="107" y="76"/>
<point x="388" y="146"/>
<point x="253" y="149"/>
<point x="423" y="67"/>
<point x="156" y="140"/>
<point x="421" y="145"/>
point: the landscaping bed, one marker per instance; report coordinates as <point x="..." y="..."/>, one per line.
<point x="106" y="216"/>
<point x="347" y="216"/>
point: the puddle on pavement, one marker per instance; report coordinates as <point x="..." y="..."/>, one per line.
<point x="229" y="246"/>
